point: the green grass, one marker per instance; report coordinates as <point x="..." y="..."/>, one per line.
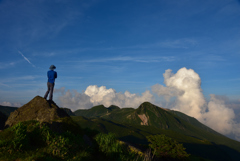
<point x="64" y="139"/>
<point x="32" y="140"/>
<point x="200" y="144"/>
<point x="109" y="145"/>
<point x="126" y="123"/>
<point x="166" y="147"/>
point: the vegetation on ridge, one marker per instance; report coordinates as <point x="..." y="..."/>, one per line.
<point x="102" y="128"/>
<point x="32" y="140"/>
<point x="198" y="139"/>
<point x="166" y="147"/>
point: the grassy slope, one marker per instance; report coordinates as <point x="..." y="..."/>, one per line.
<point x="32" y="140"/>
<point x="136" y="135"/>
<point x="195" y="136"/>
<point x="96" y="111"/>
<point x="93" y="112"/>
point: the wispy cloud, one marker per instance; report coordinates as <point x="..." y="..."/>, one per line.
<point x="44" y="54"/>
<point x="143" y="59"/>
<point x="12" y="82"/>
<point x="26" y="59"/>
<point x="21" y="78"/>
<point x="6" y="65"/>
<point x="5" y="85"/>
<point x="179" y="43"/>
<point x="182" y="43"/>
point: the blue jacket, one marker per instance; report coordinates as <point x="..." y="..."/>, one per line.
<point x="51" y="76"/>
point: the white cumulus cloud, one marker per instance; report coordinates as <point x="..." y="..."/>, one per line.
<point x="185" y="85"/>
<point x="94" y="95"/>
<point x="107" y="97"/>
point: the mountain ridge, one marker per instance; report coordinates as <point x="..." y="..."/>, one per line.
<point x="148" y="119"/>
<point x="133" y="125"/>
<point x="146" y="114"/>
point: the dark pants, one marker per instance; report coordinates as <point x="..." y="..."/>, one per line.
<point x="50" y="89"/>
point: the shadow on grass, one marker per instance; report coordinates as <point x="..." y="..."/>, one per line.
<point x="213" y="152"/>
<point x="134" y="140"/>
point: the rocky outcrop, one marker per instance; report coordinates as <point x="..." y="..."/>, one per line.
<point x="144" y="119"/>
<point x="37" y="109"/>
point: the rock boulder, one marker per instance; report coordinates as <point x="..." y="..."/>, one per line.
<point x="37" y="109"/>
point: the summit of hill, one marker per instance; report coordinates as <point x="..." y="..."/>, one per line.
<point x="38" y="109"/>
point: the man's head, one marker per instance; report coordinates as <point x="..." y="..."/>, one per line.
<point x="52" y="67"/>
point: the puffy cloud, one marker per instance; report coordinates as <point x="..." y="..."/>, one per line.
<point x="74" y="100"/>
<point x="219" y="116"/>
<point x="94" y="95"/>
<point x="166" y="92"/>
<point x="107" y="97"/>
<point x="185" y="85"/>
<point x="100" y="94"/>
<point x="60" y="90"/>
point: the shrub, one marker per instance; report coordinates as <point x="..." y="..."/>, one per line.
<point x="32" y="136"/>
<point x="109" y="145"/>
<point x="165" y="147"/>
<point x="20" y="140"/>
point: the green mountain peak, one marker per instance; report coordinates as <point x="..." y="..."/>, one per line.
<point x="113" y="107"/>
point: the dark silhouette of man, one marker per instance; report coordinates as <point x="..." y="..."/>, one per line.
<point x="52" y="75"/>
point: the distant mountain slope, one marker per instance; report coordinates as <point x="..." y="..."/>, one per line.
<point x="68" y="111"/>
<point x="133" y="125"/>
<point x="3" y="119"/>
<point x="136" y="134"/>
<point x="151" y="115"/>
<point x="7" y="109"/>
<point x="96" y="111"/>
<point x="193" y="121"/>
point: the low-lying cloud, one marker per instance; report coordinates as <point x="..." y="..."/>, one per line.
<point x="182" y="91"/>
<point x="10" y="104"/>
<point x="94" y="95"/>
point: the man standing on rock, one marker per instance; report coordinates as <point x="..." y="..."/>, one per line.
<point x="52" y="75"/>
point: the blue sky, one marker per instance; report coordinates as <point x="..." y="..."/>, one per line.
<point x="112" y="46"/>
<point x="124" y="45"/>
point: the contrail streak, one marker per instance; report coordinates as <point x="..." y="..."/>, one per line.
<point x="26" y="58"/>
